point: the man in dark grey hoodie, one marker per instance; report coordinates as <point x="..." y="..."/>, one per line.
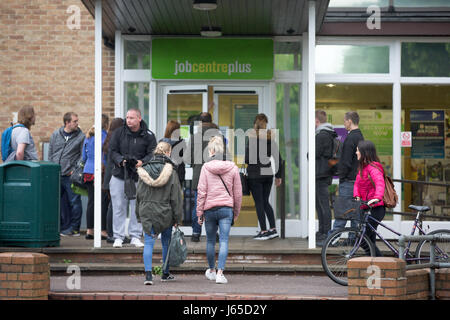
<point x="324" y="149"/>
<point x="66" y="144"/>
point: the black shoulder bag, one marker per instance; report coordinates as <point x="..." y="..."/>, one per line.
<point x="232" y="220"/>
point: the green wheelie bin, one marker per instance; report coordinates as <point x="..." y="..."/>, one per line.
<point x="29" y="204"/>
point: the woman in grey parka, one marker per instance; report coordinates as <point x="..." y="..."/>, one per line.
<point x="159" y="205"/>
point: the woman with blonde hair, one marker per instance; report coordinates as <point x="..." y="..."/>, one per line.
<point x="219" y="198"/>
<point x="260" y="174"/>
<point x="88" y="157"/>
<point x="22" y="143"/>
<point x="159" y="205"/>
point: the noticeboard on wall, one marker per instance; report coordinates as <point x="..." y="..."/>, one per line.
<point x="428" y="134"/>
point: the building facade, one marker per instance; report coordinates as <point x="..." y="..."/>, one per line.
<point x="391" y="63"/>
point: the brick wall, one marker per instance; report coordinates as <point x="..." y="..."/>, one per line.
<point x="24" y="276"/>
<point x="395" y="282"/>
<point x="48" y="66"/>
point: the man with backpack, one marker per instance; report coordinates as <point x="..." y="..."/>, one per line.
<point x="66" y="145"/>
<point x="325" y="136"/>
<point x="348" y="163"/>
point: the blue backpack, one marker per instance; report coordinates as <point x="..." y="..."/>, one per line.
<point x="6" y="141"/>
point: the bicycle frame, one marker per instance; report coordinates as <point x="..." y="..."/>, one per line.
<point x="417" y="225"/>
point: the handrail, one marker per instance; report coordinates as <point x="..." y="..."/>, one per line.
<point x="422" y="182"/>
<point x="432" y="264"/>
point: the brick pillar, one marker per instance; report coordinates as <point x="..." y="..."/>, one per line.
<point x="380" y="278"/>
<point x="443" y="284"/>
<point x="24" y="275"/>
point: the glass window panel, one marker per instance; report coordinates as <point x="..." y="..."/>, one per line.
<point x="183" y="107"/>
<point x="374" y="106"/>
<point x="288" y="97"/>
<point x="426" y="59"/>
<point x="288" y="56"/>
<point x="352" y="59"/>
<point x="137" y="54"/>
<point x="137" y="97"/>
<point x="421" y="3"/>
<point x="357" y="3"/>
<point x="429" y="157"/>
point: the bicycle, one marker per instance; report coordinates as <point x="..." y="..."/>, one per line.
<point x="348" y="243"/>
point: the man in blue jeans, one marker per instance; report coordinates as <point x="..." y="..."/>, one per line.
<point x="348" y="163"/>
<point x="65" y="148"/>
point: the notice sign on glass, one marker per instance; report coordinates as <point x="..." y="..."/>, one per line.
<point x="244" y="59"/>
<point x="427" y="128"/>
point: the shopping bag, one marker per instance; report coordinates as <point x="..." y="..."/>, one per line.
<point x="177" y="253"/>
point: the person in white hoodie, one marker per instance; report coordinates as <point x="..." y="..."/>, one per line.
<point x="219" y="198"/>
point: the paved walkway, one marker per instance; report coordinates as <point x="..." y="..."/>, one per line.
<point x="195" y="286"/>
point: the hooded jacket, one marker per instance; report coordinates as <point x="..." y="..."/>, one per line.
<point x="66" y="152"/>
<point x="324" y="149"/>
<point x="126" y="144"/>
<point x="159" y="202"/>
<point x="212" y="193"/>
<point x="348" y="164"/>
<point x="366" y="189"/>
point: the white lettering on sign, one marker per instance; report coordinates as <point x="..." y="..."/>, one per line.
<point x="211" y="67"/>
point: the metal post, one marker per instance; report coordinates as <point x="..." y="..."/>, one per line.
<point x="432" y="270"/>
<point x="98" y="125"/>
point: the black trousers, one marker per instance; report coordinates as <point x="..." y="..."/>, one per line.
<point x="260" y="189"/>
<point x="323" y="204"/>
<point x="378" y="213"/>
<point x="90" y="206"/>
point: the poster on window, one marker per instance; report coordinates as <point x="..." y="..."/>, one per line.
<point x="428" y="134"/>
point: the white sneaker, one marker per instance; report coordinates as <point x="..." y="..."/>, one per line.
<point x="137" y="243"/>
<point x="220" y="278"/>
<point x="210" y="275"/>
<point x="118" y="243"/>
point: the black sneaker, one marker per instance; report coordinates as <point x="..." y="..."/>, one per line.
<point x="262" y="236"/>
<point x="167" y="277"/>
<point x="126" y="240"/>
<point x="148" y="278"/>
<point x="195" y="237"/>
<point x="272" y="234"/>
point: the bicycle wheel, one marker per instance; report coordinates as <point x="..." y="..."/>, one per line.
<point x="337" y="249"/>
<point x="441" y="250"/>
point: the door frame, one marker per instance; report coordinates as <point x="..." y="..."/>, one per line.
<point x="266" y="104"/>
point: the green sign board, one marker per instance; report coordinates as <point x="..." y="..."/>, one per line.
<point x="222" y="59"/>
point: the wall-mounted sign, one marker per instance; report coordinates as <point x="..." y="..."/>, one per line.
<point x="428" y="138"/>
<point x="406" y="139"/>
<point x="239" y="59"/>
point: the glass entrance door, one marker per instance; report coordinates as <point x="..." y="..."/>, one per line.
<point x="236" y="109"/>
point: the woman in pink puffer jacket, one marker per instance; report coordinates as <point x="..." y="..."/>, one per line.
<point x="369" y="185"/>
<point x="219" y="198"/>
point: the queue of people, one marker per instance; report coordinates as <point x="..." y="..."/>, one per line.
<point x="147" y="178"/>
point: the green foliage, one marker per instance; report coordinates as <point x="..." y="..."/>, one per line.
<point x="157" y="270"/>
<point x="426" y="59"/>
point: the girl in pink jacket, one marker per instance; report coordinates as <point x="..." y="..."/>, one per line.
<point x="369" y="185"/>
<point x="219" y="198"/>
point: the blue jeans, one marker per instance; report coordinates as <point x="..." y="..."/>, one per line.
<point x="196" y="228"/>
<point x="149" y="242"/>
<point x="346" y="190"/>
<point x="218" y="217"/>
<point x="71" y="209"/>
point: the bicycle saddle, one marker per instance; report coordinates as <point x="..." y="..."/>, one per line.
<point x="419" y="208"/>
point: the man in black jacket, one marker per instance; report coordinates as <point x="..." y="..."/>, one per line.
<point x="133" y="143"/>
<point x="324" y="150"/>
<point x="348" y="163"/>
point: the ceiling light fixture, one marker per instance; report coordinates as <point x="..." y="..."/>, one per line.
<point x="211" y="32"/>
<point x="205" y="4"/>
